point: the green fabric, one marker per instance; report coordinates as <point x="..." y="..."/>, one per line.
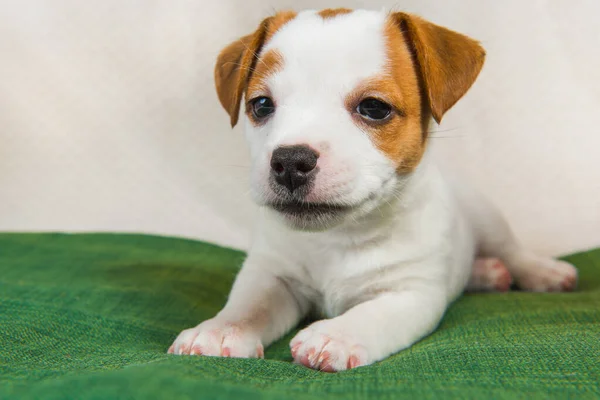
<point x="91" y="317"/>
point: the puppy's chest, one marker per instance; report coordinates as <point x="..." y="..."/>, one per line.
<point x="335" y="279"/>
<point x="322" y="280"/>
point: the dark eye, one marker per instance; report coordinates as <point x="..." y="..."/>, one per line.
<point x="262" y="107"/>
<point x="374" y="109"/>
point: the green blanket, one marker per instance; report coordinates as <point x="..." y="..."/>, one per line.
<point x="91" y="317"/>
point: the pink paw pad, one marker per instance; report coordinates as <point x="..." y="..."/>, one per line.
<point x="569" y="283"/>
<point x="260" y="351"/>
<point x="489" y="275"/>
<point x="327" y="352"/>
<point x="196" y="351"/>
<point x="353" y="362"/>
<point x="503" y="278"/>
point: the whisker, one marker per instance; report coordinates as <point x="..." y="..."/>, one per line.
<point x="229" y="165"/>
<point x="443" y="130"/>
<point x="446" y="137"/>
<point x="254" y="54"/>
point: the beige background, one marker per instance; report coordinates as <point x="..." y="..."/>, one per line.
<point x="109" y="120"/>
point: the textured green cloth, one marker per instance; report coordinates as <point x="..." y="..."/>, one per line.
<point x="91" y="317"/>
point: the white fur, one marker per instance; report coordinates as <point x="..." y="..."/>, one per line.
<point x="383" y="274"/>
<point x="310" y="93"/>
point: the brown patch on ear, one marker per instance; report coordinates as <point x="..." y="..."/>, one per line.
<point x="448" y="62"/>
<point x="236" y="63"/>
<point x="333" y="12"/>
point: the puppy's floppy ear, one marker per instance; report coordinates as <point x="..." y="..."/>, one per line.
<point x="234" y="66"/>
<point x="448" y="62"/>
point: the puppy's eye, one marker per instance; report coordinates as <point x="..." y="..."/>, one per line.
<point x="374" y="109"/>
<point x="262" y="107"/>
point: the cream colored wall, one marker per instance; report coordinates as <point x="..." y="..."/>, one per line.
<point x="109" y="120"/>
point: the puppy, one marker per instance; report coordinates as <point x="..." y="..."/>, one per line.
<point x="357" y="222"/>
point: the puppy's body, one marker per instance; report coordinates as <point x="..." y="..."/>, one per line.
<point x="358" y="221"/>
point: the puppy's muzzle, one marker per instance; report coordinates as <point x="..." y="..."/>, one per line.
<point x="293" y="167"/>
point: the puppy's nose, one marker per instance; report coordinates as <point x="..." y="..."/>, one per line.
<point x="291" y="166"/>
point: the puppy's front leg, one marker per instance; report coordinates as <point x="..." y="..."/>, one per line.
<point x="261" y="308"/>
<point x="371" y="330"/>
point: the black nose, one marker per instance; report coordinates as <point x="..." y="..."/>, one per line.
<point x="292" y="165"/>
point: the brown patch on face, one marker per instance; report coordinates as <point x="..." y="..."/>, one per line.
<point x="237" y="62"/>
<point x="278" y="21"/>
<point x="400" y="137"/>
<point x="267" y="64"/>
<point x="333" y="12"/>
<point x="429" y="68"/>
<point x="270" y="62"/>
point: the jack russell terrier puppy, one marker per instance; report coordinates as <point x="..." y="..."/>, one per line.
<point x="357" y="221"/>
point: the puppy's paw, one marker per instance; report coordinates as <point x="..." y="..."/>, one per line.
<point x="325" y="347"/>
<point x="549" y="275"/>
<point x="489" y="275"/>
<point x="214" y="338"/>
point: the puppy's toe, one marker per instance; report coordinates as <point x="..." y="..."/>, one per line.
<point x="321" y="346"/>
<point x="212" y="338"/>
<point x="183" y="343"/>
<point x="549" y="275"/>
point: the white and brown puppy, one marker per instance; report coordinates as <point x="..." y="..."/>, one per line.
<point x="357" y="221"/>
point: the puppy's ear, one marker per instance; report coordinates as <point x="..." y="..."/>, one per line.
<point x="234" y="66"/>
<point x="448" y="62"/>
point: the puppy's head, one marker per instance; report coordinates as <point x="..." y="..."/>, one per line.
<point x="337" y="103"/>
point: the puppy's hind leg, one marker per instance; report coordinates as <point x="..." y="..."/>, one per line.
<point x="531" y="272"/>
<point x="539" y="274"/>
<point x="489" y="275"/>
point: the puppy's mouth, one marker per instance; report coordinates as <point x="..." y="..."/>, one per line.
<point x="301" y="208"/>
<point x="310" y="216"/>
